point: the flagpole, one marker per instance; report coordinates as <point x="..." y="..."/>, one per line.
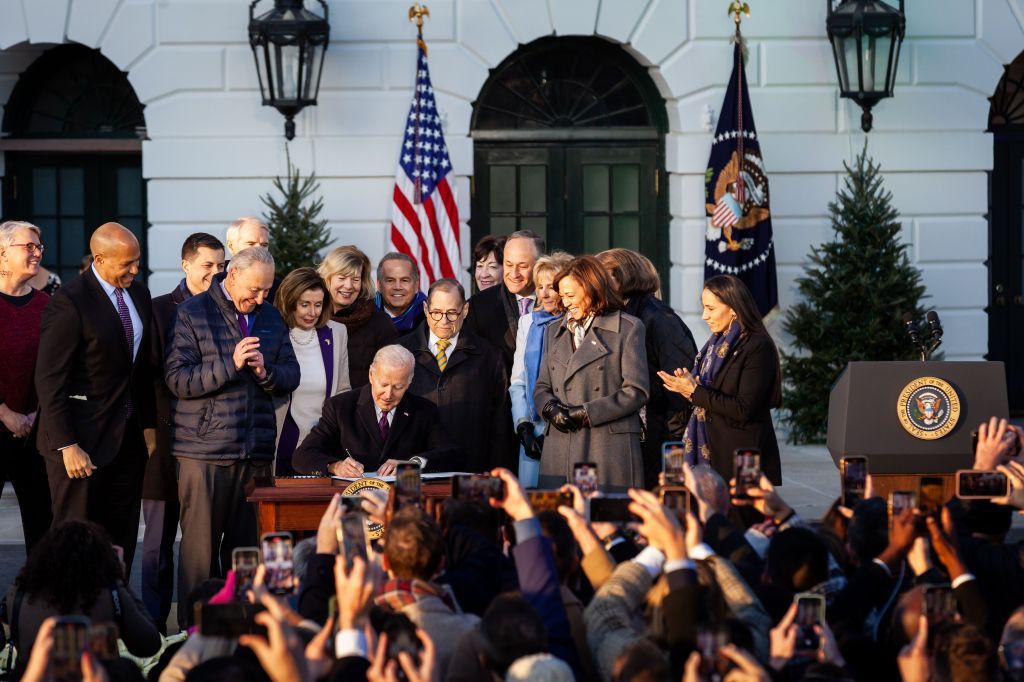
<point x="738" y="10"/>
<point x="417" y="13"/>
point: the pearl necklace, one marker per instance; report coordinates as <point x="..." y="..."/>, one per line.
<point x="302" y="337"/>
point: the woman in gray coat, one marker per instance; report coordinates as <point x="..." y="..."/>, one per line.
<point x="593" y="381"/>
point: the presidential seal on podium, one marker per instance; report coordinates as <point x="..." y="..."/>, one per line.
<point x="928" y="408"/>
<point x="373" y="530"/>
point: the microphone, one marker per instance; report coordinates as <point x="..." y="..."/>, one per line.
<point x="934" y="325"/>
<point x="910" y="324"/>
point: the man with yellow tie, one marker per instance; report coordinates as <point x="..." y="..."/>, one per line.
<point x="465" y="376"/>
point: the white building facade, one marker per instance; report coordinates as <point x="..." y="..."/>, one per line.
<point x="211" y="149"/>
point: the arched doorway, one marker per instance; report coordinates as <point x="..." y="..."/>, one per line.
<point x="569" y="142"/>
<point x="72" y="153"/>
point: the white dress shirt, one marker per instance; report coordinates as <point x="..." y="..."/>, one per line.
<point x="132" y="312"/>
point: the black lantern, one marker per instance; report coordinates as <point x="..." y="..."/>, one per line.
<point x="866" y="36"/>
<point x="288" y="43"/>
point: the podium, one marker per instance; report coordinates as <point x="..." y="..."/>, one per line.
<point x="912" y="418"/>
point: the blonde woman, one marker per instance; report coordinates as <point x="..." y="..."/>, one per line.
<point x="346" y="272"/>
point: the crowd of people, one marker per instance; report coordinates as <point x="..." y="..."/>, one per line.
<point x="115" y="404"/>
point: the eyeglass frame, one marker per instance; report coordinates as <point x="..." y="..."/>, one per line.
<point x="436" y="315"/>
<point x="30" y="247"/>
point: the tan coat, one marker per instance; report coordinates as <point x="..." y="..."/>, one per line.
<point x="608" y="375"/>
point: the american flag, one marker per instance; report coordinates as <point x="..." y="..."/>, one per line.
<point x="424" y="218"/>
<point x="727" y="212"/>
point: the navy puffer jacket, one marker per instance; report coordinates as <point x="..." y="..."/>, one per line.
<point x="221" y="413"/>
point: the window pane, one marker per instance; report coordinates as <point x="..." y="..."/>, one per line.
<point x="503" y="189"/>
<point x="537" y="224"/>
<point x="503" y="225"/>
<point x="129" y="191"/>
<point x="44" y="191"/>
<point x="72" y="191"/>
<point x="533" y="197"/>
<point x="625" y="188"/>
<point x="627" y="232"/>
<point x="49" y="238"/>
<point x="133" y="224"/>
<point x="595" y="234"/>
<point x="595" y="188"/>
<point x="72" y="241"/>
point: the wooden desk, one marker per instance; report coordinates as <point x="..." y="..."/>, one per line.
<point x="300" y="507"/>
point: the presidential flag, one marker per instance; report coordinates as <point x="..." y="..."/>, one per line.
<point x="739" y="231"/>
<point x="424" y="217"/>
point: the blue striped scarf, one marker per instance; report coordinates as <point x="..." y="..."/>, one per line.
<point x="705" y="366"/>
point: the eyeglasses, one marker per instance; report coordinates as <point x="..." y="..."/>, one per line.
<point x="452" y="315"/>
<point x="32" y="247"/>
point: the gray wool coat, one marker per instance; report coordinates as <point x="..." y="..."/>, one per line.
<point x="608" y="375"/>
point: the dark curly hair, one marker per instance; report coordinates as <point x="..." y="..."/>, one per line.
<point x="70" y="566"/>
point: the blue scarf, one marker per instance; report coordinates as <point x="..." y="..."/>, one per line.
<point x="535" y="352"/>
<point x="705" y="366"/>
<point x="404" y="322"/>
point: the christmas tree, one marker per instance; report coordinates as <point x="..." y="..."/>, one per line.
<point x="297" y="233"/>
<point x="855" y="292"/>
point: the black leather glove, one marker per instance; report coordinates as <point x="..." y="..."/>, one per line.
<point x="533" y="444"/>
<point x="578" y="416"/>
<point x="557" y="414"/>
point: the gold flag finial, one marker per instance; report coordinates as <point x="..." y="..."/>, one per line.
<point x="738" y="10"/>
<point x="416" y="13"/>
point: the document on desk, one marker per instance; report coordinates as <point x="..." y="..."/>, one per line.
<point x="391" y="479"/>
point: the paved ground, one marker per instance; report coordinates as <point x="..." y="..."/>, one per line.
<point x="810" y="484"/>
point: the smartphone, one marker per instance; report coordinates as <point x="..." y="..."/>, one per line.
<point x="710" y="640"/>
<point x="673" y="462"/>
<point x="676" y="498"/>
<point x="610" y="509"/>
<point x="810" y="611"/>
<point x="900" y="500"/>
<point x="408" y="486"/>
<point x="353" y="539"/>
<point x="584" y="477"/>
<point x="939" y="603"/>
<point x="548" y="500"/>
<point x="402" y="638"/>
<point x="478" y="488"/>
<point x="981" y="485"/>
<point x="930" y="495"/>
<point x="69" y="641"/>
<point x="352" y="503"/>
<point x="232" y="619"/>
<point x="747" y="465"/>
<point x="277" y="561"/>
<point x="101" y="639"/>
<point x="244" y="562"/>
<point x="853" y="472"/>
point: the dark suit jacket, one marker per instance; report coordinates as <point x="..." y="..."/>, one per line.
<point x="161" y="478"/>
<point x="471" y="396"/>
<point x="494" y="317"/>
<point x="86" y="373"/>
<point x="738" y="404"/>
<point x="349" y="422"/>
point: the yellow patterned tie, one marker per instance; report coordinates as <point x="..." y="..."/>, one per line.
<point x="442" y="357"/>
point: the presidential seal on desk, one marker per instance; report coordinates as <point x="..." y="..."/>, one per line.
<point x="373" y="530"/>
<point x="928" y="408"/>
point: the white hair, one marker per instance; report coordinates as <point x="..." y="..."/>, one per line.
<point x="10" y="228"/>
<point x="395" y="356"/>
<point x="247" y="257"/>
<point x="236" y="226"/>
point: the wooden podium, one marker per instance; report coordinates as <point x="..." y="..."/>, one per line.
<point x="298" y="504"/>
<point x="875" y="411"/>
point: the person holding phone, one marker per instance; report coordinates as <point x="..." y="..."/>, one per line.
<point x="735" y="382"/>
<point x="592" y="382"/>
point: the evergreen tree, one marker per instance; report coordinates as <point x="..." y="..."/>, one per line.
<point x="297" y="233"/>
<point x="855" y="292"/>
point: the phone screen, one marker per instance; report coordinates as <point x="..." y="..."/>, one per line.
<point x="478" y="488"/>
<point x="809" y="612"/>
<point x="854" y="473"/>
<point x="931" y="495"/>
<point x="277" y="562"/>
<point x="244" y="562"/>
<point x="353" y="539"/>
<point x="981" y="484"/>
<point x="710" y="641"/>
<point x="584" y="477"/>
<point x="548" y="500"/>
<point x="673" y="462"/>
<point x="900" y="500"/>
<point x="676" y="498"/>
<point x="352" y="503"/>
<point x="408" y="485"/>
<point x="747" y="464"/>
<point x="70" y="636"/>
<point x="610" y="509"/>
<point x="939" y="603"/>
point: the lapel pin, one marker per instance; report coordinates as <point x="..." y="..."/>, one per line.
<point x="405" y="414"/>
<point x="327" y="341"/>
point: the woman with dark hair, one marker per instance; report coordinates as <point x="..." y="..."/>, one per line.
<point x="669" y="345"/>
<point x="74" y="571"/>
<point x="736" y="380"/>
<point x="321" y="348"/>
<point x="592" y="382"/>
<point x="487" y="254"/>
<point x="346" y="272"/>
